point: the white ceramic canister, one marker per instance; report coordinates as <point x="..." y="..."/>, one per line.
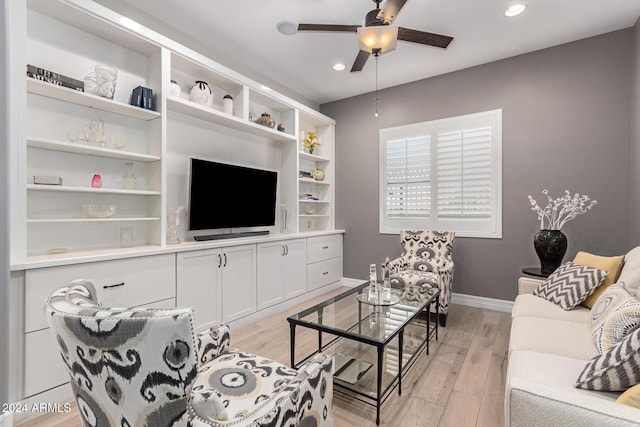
<point x="201" y="94"/>
<point x="175" y="89"/>
<point x="227" y="104"/>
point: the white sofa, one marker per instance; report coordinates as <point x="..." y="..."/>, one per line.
<point x="548" y="349"/>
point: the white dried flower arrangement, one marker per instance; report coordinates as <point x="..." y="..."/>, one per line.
<point x="561" y="210"/>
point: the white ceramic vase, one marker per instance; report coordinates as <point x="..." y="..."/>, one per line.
<point x="201" y="94"/>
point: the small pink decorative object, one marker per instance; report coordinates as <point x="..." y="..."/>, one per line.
<point x="96" y="182"/>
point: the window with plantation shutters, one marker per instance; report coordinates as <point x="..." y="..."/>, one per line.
<point x="443" y="175"/>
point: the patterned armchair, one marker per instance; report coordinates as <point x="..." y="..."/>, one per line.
<point x="426" y="262"/>
<point x="146" y="367"/>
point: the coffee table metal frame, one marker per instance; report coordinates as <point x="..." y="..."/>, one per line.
<point x="352" y="333"/>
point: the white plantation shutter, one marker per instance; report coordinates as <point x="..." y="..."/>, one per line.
<point x="407" y="178"/>
<point x="443" y="175"/>
<point x="464" y="173"/>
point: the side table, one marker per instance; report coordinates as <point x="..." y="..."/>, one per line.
<point x="535" y="271"/>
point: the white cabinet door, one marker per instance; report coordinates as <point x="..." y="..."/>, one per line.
<point x="295" y="268"/>
<point x="238" y="282"/>
<point x="199" y="277"/>
<point x="270" y="274"/>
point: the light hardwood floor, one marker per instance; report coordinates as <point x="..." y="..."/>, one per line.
<point x="459" y="384"/>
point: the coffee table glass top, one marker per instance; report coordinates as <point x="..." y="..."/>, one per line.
<point x="345" y="315"/>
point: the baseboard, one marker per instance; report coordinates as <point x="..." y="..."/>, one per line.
<point x="460" y="299"/>
<point x="482" y="302"/>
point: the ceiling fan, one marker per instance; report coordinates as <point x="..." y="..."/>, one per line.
<point x="380" y="18"/>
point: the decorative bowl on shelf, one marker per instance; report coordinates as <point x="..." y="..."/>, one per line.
<point x="99" y="211"/>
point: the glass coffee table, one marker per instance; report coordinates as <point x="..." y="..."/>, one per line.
<point x="389" y="335"/>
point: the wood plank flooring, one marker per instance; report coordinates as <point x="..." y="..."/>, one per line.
<point x="459" y="384"/>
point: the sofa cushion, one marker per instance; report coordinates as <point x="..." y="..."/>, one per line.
<point x="611" y="265"/>
<point x="553" y="370"/>
<point x="615" y="315"/>
<point x="540" y="392"/>
<point x="630" y="273"/>
<point x="559" y="337"/>
<point x="570" y="284"/>
<point x="533" y="306"/>
<point x="616" y="369"/>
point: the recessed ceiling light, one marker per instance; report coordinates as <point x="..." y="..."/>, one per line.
<point x="514" y="10"/>
<point x="338" y="67"/>
<point x="263" y="87"/>
<point x="287" y="27"/>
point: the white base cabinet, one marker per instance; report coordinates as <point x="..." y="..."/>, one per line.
<point x="208" y="277"/>
<point x="324" y="260"/>
<point x="144" y="281"/>
<point x="198" y="275"/>
<point x="221" y="283"/>
<point x="281" y="271"/>
<point x="238" y="282"/>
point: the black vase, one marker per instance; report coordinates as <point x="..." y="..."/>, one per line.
<point x="550" y="245"/>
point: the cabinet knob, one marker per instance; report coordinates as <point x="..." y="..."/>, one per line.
<point x="117" y="285"/>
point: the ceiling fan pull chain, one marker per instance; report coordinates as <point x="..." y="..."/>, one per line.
<point x="376" y="55"/>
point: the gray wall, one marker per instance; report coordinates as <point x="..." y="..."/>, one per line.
<point x="566" y="125"/>
<point x="635" y="141"/>
<point x="4" y="215"/>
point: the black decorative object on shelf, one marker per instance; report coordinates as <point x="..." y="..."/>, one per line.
<point x="550" y="246"/>
<point x="142" y="97"/>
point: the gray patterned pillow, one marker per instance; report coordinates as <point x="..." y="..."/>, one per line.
<point x="614" y="316"/>
<point x="570" y="284"/>
<point x="614" y="370"/>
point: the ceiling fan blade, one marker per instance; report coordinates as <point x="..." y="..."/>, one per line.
<point x="328" y="27"/>
<point x="390" y="9"/>
<point x="361" y="59"/>
<point x="422" y="37"/>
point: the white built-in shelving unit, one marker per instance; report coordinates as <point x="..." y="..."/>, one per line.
<point x="70" y="37"/>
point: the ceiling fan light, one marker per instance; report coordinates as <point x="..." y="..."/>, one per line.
<point x="286" y="27"/>
<point x="381" y="37"/>
<point x="514" y="10"/>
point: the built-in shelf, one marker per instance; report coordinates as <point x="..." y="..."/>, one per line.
<point x="76" y="97"/>
<point x="312" y="181"/>
<point x="312" y="157"/>
<point x="72" y="189"/>
<point x="314" y="201"/>
<point x="208" y="114"/>
<point x="69" y="147"/>
<point x="68" y="220"/>
<point x="313" y="216"/>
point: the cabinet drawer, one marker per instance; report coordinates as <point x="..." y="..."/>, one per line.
<point x="146" y="279"/>
<point x="324" y="247"/>
<point x="43" y="366"/>
<point x="324" y="272"/>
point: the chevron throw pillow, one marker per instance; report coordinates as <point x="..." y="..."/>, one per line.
<point x="614" y="370"/>
<point x="570" y="284"/>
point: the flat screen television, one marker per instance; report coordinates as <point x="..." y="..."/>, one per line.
<point x="230" y="196"/>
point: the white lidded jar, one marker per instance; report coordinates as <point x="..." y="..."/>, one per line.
<point x="201" y="94"/>
<point x="227" y="104"/>
<point x="175" y="89"/>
